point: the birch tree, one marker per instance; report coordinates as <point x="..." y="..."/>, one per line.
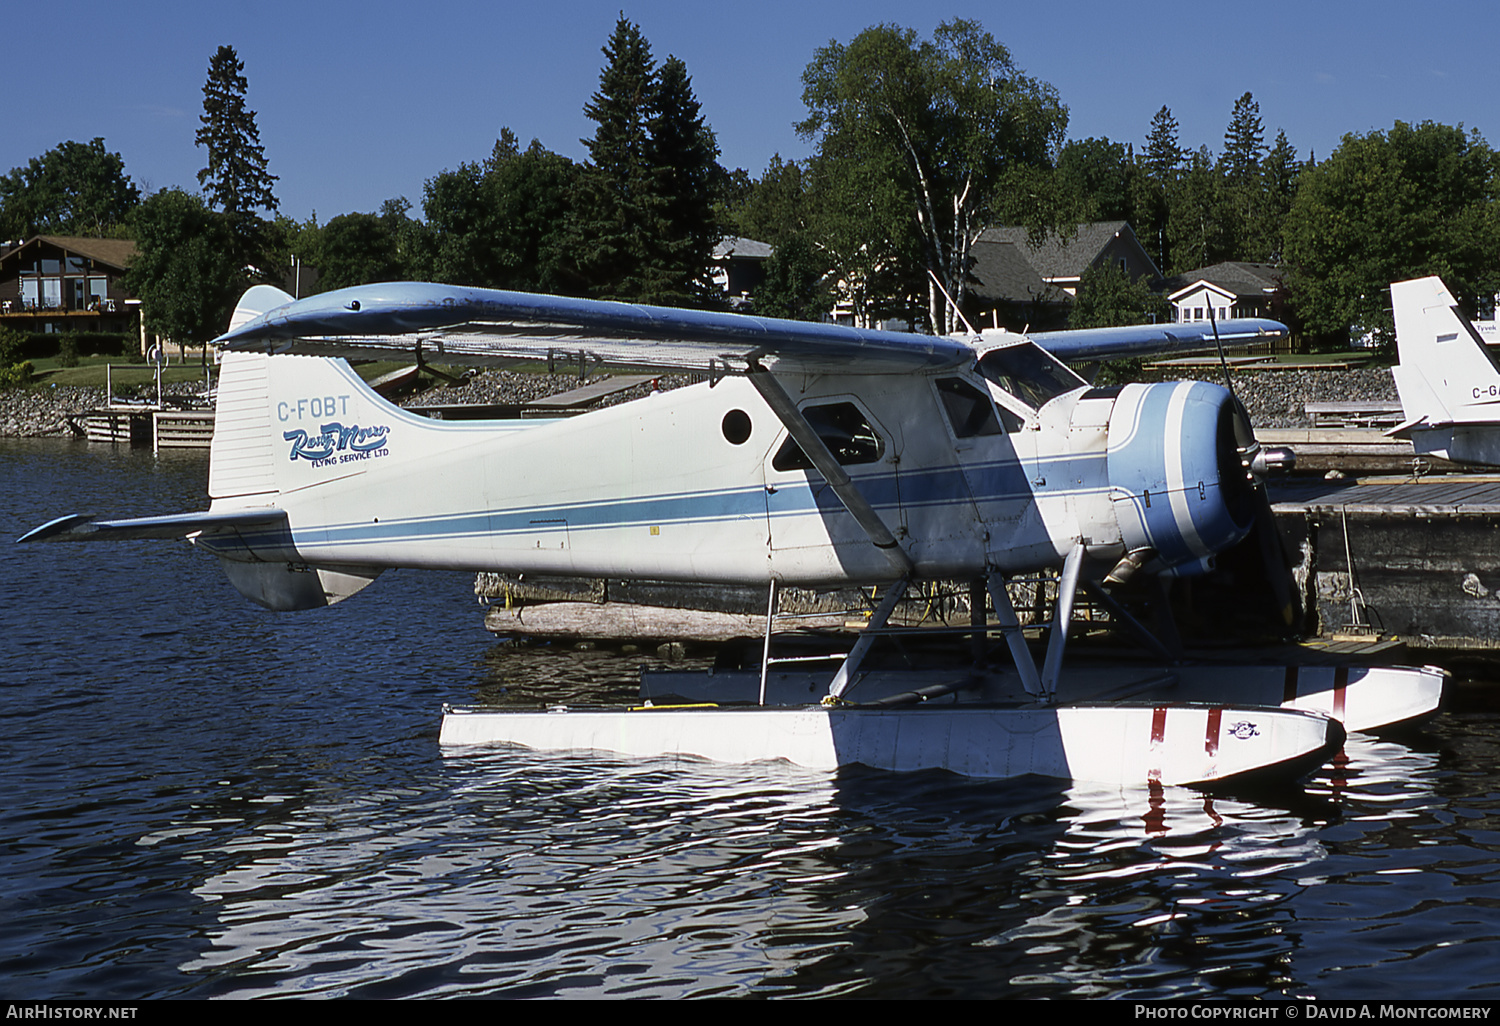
<point x="950" y="120"/>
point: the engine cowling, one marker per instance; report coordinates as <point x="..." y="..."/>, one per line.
<point x="1180" y="492"/>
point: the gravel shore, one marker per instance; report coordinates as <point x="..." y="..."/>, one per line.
<point x="1274" y="398"/>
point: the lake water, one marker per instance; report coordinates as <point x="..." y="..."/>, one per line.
<point x="199" y="798"/>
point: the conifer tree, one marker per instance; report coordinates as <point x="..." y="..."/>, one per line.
<point x="1163" y="153"/>
<point x="1162" y="164"/>
<point x="615" y="217"/>
<point x="1279" y="175"/>
<point x="1240" y="181"/>
<point x="644" y="222"/>
<point x="236" y="180"/>
<point x="684" y="167"/>
<point x="1244" y="142"/>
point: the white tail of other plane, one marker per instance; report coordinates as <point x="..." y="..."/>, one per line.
<point x="1448" y="382"/>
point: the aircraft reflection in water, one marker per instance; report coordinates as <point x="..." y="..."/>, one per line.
<point x="815" y="455"/>
<point x="529" y="872"/>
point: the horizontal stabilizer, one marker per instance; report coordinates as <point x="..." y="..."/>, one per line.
<point x="84" y="527"/>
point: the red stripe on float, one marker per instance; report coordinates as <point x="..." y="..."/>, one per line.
<point x="1158" y="735"/>
<point x="1340" y="686"/>
<point x="1211" y="734"/>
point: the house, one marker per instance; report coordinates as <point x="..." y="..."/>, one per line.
<point x="53" y="283"/>
<point x="1016" y="282"/>
<point x="1230" y="289"/>
<point x="739" y="265"/>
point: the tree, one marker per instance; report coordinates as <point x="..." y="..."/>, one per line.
<point x="1164" y="155"/>
<point x="73" y="189"/>
<point x="354" y="249"/>
<point x="1244" y="142"/>
<point x="413" y="239"/>
<point x="1161" y="165"/>
<point x="1242" y="189"/>
<point x="644" y="222"/>
<point x="14" y="371"/>
<point x="1107" y="298"/>
<point x="793" y="286"/>
<point x="1389" y="206"/>
<point x="1280" y="173"/>
<point x="1096" y="175"/>
<point x="776" y="205"/>
<point x="1198" y="230"/>
<point x="945" y="119"/>
<point x="499" y="224"/>
<point x="236" y="180"/>
<point x="615" y="216"/>
<point x="185" y="274"/>
<point x="683" y="156"/>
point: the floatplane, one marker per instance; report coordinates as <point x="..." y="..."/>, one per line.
<point x="814" y="455"/>
<point x="1448" y="382"/>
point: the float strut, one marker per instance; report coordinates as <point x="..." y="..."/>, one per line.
<point x="845" y="676"/>
<point x="765" y="652"/>
<point x="1010" y="626"/>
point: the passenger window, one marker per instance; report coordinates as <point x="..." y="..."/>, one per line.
<point x="969" y="410"/>
<point x="843" y="429"/>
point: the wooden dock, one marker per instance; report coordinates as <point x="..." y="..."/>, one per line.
<point x="158" y="427"/>
<point x="1415" y="560"/>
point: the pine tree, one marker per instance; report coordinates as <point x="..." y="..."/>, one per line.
<point x="1163" y="154"/>
<point x="1279" y="175"/>
<point x="1162" y="165"/>
<point x="1244" y="142"/>
<point x="684" y="167"/>
<point x="236" y="180"/>
<point x="644" y="222"/>
<point x="616" y="218"/>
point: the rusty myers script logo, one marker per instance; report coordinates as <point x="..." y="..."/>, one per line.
<point x="338" y="444"/>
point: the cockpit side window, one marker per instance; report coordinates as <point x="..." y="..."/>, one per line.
<point x="1029" y="373"/>
<point x="970" y="412"/>
<point x="843" y="428"/>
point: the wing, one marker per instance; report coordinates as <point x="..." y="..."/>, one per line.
<point x="451" y="324"/>
<point x="1155" y="339"/>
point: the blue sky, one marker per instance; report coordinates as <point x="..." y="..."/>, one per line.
<point x="358" y="102"/>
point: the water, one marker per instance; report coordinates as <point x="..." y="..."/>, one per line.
<point x="199" y="798"/>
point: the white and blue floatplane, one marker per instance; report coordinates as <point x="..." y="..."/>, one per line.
<point x="815" y="455"/>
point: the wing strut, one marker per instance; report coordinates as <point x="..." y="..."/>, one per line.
<point x="838" y="479"/>
<point x="1067" y="591"/>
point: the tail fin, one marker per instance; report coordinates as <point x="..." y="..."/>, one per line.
<point x="276" y="418"/>
<point x="240" y="461"/>
<point x="1446" y="375"/>
<point x="249" y="468"/>
<point x="258" y="299"/>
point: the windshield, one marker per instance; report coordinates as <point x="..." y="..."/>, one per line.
<point x="1029" y="373"/>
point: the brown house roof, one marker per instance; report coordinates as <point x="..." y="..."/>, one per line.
<point x="116" y="253"/>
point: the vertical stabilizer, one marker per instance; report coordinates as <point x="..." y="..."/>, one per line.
<point x="240" y="461"/>
<point x="241" y="458"/>
<point x="1446" y="376"/>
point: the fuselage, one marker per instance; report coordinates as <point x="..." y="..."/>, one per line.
<point x="1006" y="465"/>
